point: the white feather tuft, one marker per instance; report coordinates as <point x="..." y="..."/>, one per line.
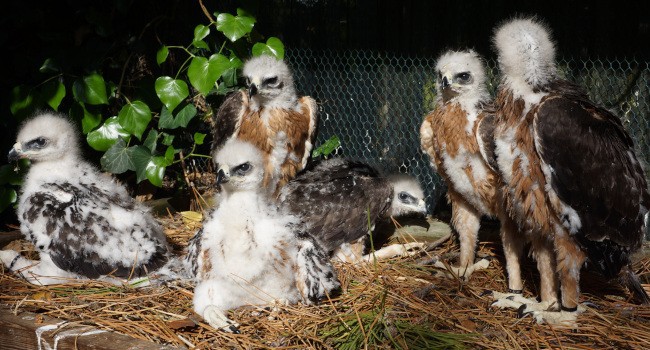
<point x="526" y="52"/>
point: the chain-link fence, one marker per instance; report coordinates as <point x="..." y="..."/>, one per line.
<point x="375" y="102"/>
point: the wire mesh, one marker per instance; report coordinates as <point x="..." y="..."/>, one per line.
<point x="374" y="102"/>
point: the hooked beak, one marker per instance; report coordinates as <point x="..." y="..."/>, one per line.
<point x="222" y="177"/>
<point x="252" y="90"/>
<point x="15" y="153"/>
<point x="447" y="92"/>
<point x="445" y="83"/>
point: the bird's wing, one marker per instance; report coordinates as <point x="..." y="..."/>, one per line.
<point x="310" y="114"/>
<point x="315" y="275"/>
<point x="485" y="139"/>
<point x="92" y="232"/>
<point x="228" y="118"/>
<point x="191" y="259"/>
<point x="426" y="138"/>
<point x="340" y="205"/>
<point x="591" y="165"/>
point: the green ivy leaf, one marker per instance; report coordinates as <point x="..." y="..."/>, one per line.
<point x="167" y="139"/>
<point x="230" y="78"/>
<point x="91" y="90"/>
<point x="151" y="141"/>
<point x="162" y="54"/>
<point x="182" y="119"/>
<point x="327" y="147"/>
<point x="117" y="159"/>
<point x="49" y="66"/>
<point x="200" y="74"/>
<point x="166" y="120"/>
<point x="89" y="120"/>
<point x="9" y="176"/>
<point x="8" y="196"/>
<point x="147" y="166"/>
<point x="171" y="91"/>
<point x="53" y="93"/>
<point x="140" y="156"/>
<point x="198" y="138"/>
<point x="107" y="135"/>
<point x="200" y="32"/>
<point x="203" y="72"/>
<point x="234" y="27"/>
<point x="156" y="170"/>
<point x="185" y="115"/>
<point x="200" y="44"/>
<point x="169" y="155"/>
<point x="235" y="62"/>
<point x="134" y="117"/>
<point x="273" y="47"/>
<point x="22" y="101"/>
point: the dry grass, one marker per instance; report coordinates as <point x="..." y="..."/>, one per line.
<point x="390" y="304"/>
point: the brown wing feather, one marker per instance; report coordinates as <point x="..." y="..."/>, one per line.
<point x="228" y="118"/>
<point x="337" y="199"/>
<point x="485" y="138"/>
<point x="595" y="170"/>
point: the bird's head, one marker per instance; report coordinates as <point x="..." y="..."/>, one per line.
<point x="461" y="76"/>
<point x="240" y="166"/>
<point x="269" y="82"/>
<point x="46" y="137"/>
<point x="526" y="51"/>
<point x="408" y="196"/>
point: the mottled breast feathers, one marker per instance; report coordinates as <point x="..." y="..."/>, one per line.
<point x="80" y="231"/>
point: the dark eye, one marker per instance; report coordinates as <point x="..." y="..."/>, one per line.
<point x="404" y="197"/>
<point x="463" y="78"/>
<point x="270" y="81"/>
<point x="242" y="169"/>
<point x="38" y="142"/>
<point x="248" y="81"/>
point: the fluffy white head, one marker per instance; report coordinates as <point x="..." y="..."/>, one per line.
<point x="270" y="83"/>
<point x="241" y="166"/>
<point x="526" y="51"/>
<point x="408" y="196"/>
<point x="46" y="138"/>
<point x="461" y="77"/>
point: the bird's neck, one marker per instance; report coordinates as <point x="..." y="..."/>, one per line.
<point x="245" y="200"/>
<point x="53" y="171"/>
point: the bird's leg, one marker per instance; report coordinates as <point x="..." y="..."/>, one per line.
<point x="568" y="259"/>
<point x="218" y="320"/>
<point x="393" y="250"/>
<point x="466" y="221"/>
<point x="43" y="272"/>
<point x="543" y="254"/>
<point x="513" y="248"/>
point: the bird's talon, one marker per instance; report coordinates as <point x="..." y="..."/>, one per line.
<point x="486" y="292"/>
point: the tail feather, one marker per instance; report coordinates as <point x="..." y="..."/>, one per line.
<point x="630" y="280"/>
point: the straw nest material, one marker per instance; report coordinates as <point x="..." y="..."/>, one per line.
<point x="400" y="303"/>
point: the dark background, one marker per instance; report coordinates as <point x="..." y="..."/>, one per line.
<point x="119" y="38"/>
<point x="89" y="35"/>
